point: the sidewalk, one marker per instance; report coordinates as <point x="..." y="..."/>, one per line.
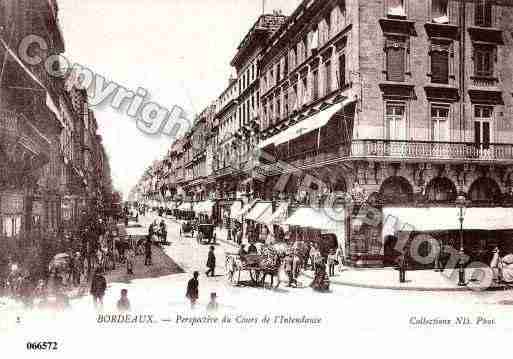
<point x="382" y="278"/>
<point x="388" y="278"/>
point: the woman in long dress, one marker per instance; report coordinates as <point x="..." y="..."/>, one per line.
<point x="321" y="282"/>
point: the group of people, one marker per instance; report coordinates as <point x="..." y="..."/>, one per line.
<point x="192" y="293"/>
<point x="98" y="289"/>
<point x="158" y="230"/>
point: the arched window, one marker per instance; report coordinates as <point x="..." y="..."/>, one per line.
<point x="441" y="189"/>
<point x="484" y="189"/>
<point x="396" y="189"/>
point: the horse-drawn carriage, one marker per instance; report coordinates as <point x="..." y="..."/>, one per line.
<point x="187" y="228"/>
<point x="274" y="261"/>
<point x="206" y="233"/>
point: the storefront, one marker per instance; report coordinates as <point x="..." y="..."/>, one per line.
<point x="204" y="210"/>
<point x="326" y="226"/>
<point x="483" y="230"/>
<point x="258" y="222"/>
<point x="12" y="214"/>
<point x="185" y="211"/>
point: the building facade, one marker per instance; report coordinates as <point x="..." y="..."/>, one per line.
<point x="39" y="129"/>
<point x="392" y="106"/>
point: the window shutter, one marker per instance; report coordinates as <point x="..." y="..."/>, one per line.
<point x="486" y="135"/>
<point x="440" y="67"/>
<point x="477" y="133"/>
<point x="395" y="64"/>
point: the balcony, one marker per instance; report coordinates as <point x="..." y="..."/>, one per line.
<point x="455" y="151"/>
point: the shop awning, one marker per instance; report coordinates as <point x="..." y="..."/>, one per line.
<point x="205" y="207"/>
<point x="235" y="208"/>
<point x="238" y="214"/>
<point x="445" y="219"/>
<point x="280" y="215"/>
<point x="186" y="206"/>
<point x="310" y="124"/>
<point x="261" y="212"/>
<point x="325" y="219"/>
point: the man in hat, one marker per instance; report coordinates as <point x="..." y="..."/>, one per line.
<point x="211" y="262"/>
<point x="193" y="289"/>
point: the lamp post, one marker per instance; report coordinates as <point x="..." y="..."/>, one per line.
<point x="461" y="269"/>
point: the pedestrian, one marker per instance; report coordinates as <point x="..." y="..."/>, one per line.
<point x="123" y="304"/>
<point x="321" y="282"/>
<point x="77" y="269"/>
<point x="193" y="289"/>
<point x="332" y="259"/>
<point x="211" y="262"/>
<point x="147" y="252"/>
<point x="340" y="258"/>
<point x="151" y="230"/>
<point x="212" y="305"/>
<point x="98" y="287"/>
<point x="403" y="265"/>
<point x="163" y="232"/>
<point x="130" y="260"/>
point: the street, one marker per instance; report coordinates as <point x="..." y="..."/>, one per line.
<point x="164" y="294"/>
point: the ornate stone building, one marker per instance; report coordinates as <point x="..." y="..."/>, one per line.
<point x="397" y="108"/>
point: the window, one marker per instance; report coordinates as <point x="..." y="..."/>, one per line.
<point x="11" y="225"/>
<point x="395" y="8"/>
<point x="395" y="59"/>
<point x="483" y="13"/>
<point x="440" y="123"/>
<point x="327" y="76"/>
<point x="315" y="83"/>
<point x="395" y="119"/>
<point x="327" y="28"/>
<point x="278" y="108"/>
<point x="305" y="48"/>
<point x="293" y="58"/>
<point x="439" y="12"/>
<point x="483" y="60"/>
<point x="440" y="63"/>
<point x="482" y="121"/>
<point x="294" y="99"/>
<point x="286" y="104"/>
<point x="314" y="44"/>
<point x="341" y="70"/>
<point x="305" y="90"/>
<point x="278" y="72"/>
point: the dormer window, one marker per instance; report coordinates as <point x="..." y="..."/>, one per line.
<point x="439" y="12"/>
<point x="396" y="8"/>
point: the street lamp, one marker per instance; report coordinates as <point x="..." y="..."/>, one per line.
<point x="462" y="204"/>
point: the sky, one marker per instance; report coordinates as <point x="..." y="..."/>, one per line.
<point x="177" y="50"/>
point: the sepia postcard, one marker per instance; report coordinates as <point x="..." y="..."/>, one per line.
<point x="256" y="178"/>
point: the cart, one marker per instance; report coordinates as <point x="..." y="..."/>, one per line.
<point x="206" y="233"/>
<point x="258" y="266"/>
<point x="187" y="228"/>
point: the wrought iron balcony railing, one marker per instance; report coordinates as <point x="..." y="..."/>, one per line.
<point x="430" y="149"/>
